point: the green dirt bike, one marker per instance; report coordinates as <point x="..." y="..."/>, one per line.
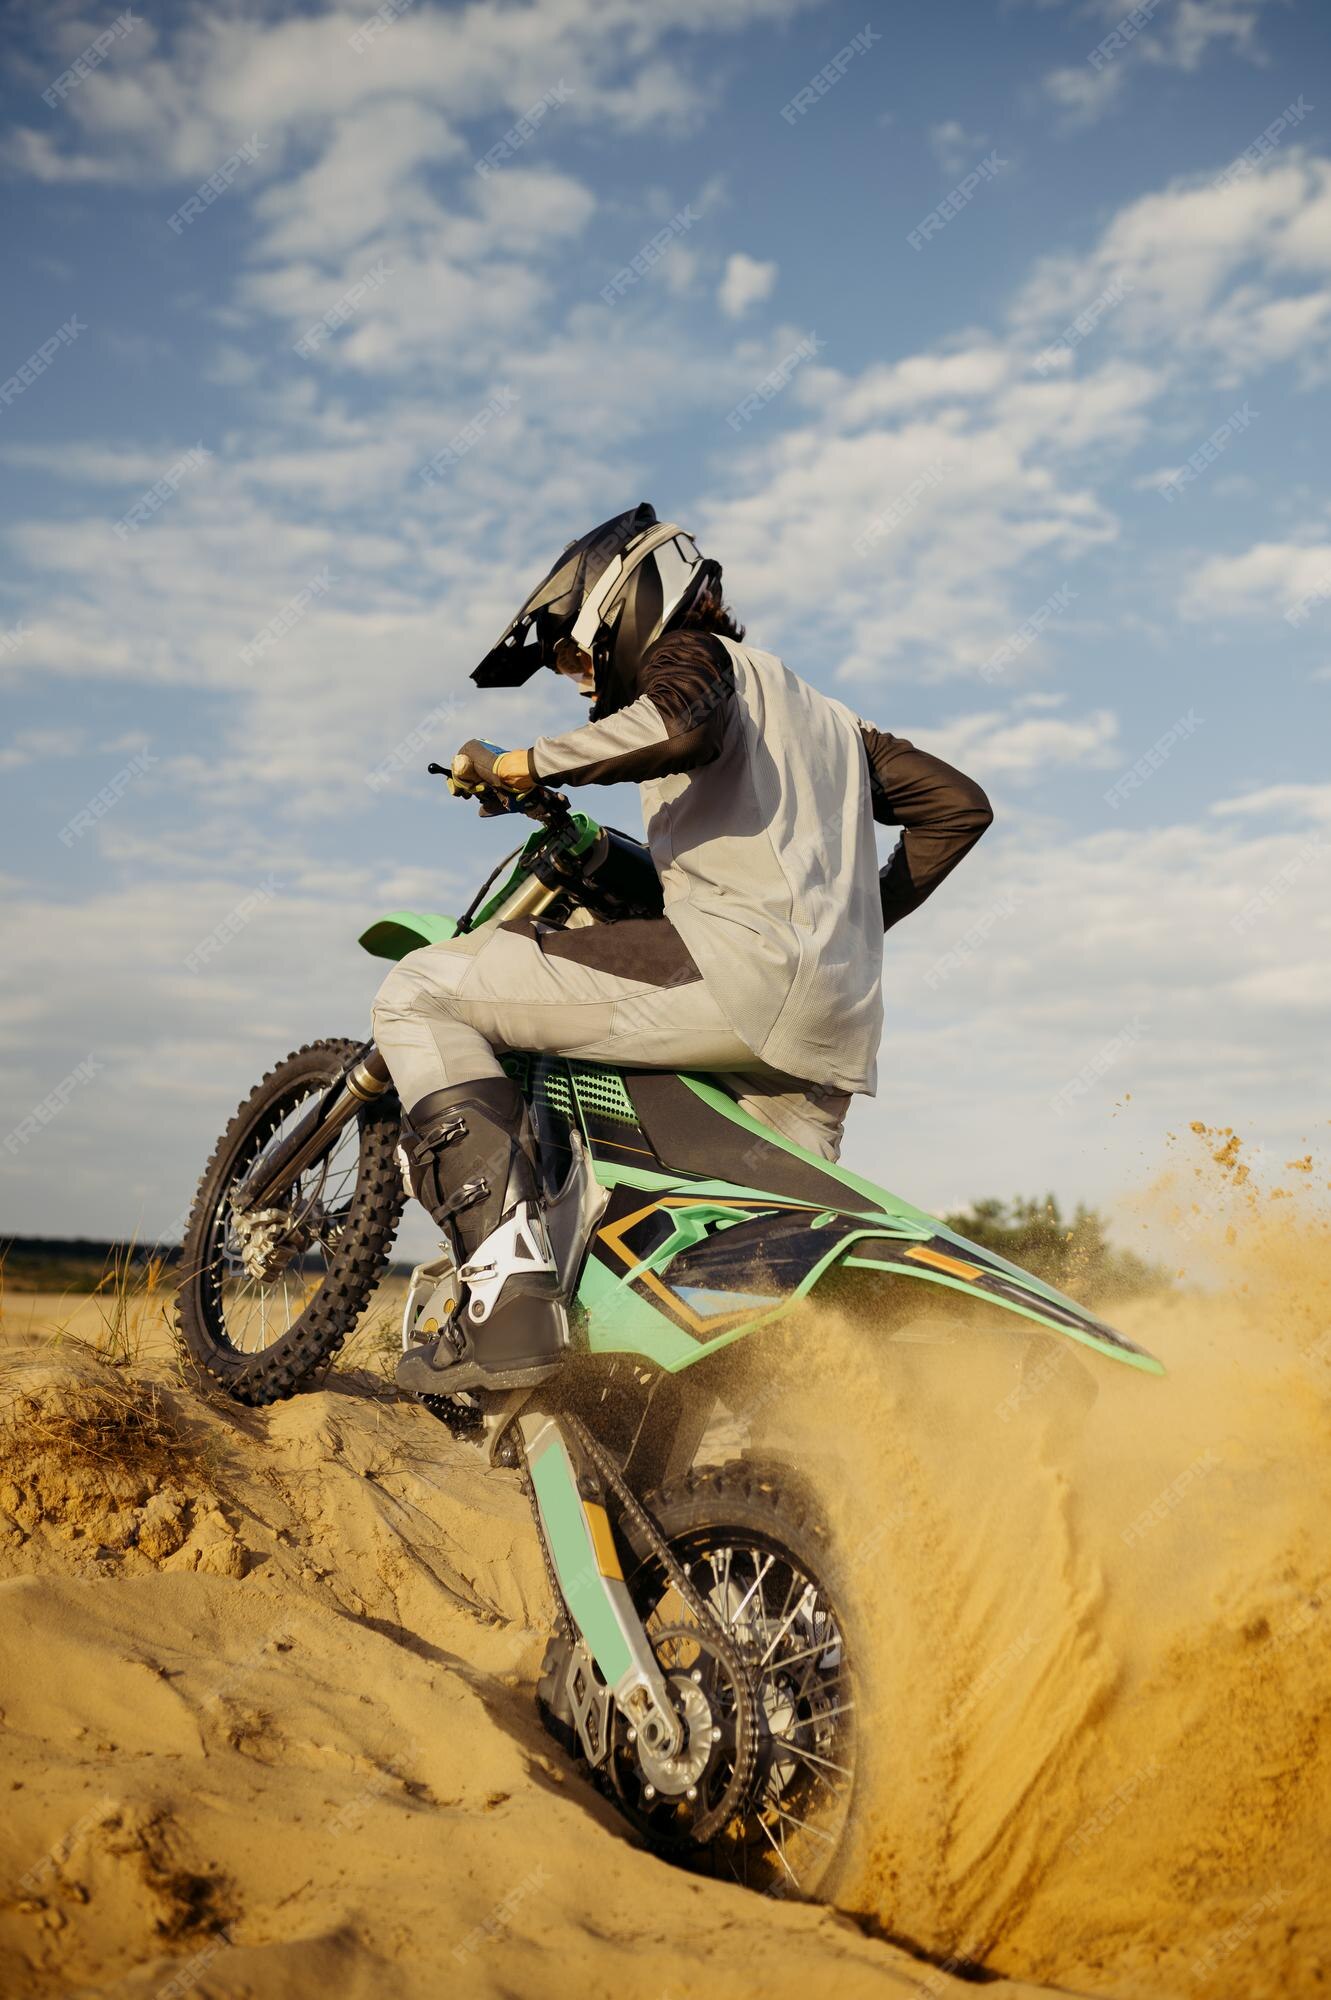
<point x="703" y="1665"/>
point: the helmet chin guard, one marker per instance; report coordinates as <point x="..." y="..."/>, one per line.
<point x="612" y="593"/>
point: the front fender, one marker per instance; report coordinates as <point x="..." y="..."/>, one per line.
<point x="402" y="931"/>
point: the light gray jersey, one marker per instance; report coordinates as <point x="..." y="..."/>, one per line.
<point x="767" y="857"/>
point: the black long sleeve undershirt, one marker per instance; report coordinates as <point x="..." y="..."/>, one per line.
<point x="942" y="813"/>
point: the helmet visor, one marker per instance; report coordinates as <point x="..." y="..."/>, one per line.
<point x="548" y="614"/>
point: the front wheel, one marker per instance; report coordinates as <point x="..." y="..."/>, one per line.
<point x="265" y="1299"/>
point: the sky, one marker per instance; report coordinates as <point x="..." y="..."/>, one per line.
<point x="986" y="345"/>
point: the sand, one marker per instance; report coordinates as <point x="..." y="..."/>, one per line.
<point x="266" y="1717"/>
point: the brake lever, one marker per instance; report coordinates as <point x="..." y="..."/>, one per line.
<point x="537" y="803"/>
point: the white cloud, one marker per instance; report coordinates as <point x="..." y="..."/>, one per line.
<point x="974" y="485"/>
<point x="176" y="112"/>
<point x="745" y="282"/>
<point x="1300" y="802"/>
<point x="1201" y="264"/>
<point x="1251" y="331"/>
<point x="1155" y="482"/>
<point x="1191" y="27"/>
<point x="1209" y="937"/>
<point x="36" y="746"/>
<point x="1179" y="37"/>
<point x="1266" y="580"/>
<point x="1026" y="748"/>
<point x="679" y="269"/>
<point x="363" y="156"/>
<point x="524" y="208"/>
<point x="40" y="157"/>
<point x="1084" y="94"/>
<point x="954" y="147"/>
<point x="887" y="389"/>
<point x="232" y="367"/>
<point x="969" y="464"/>
<point x="372" y="171"/>
<point x="94" y="464"/>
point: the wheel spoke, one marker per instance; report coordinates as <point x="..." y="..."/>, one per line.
<point x="320" y="1204"/>
<point x="739" y="1608"/>
<point x="810" y="1652"/>
<point x="807" y="1678"/>
<point x="786" y="1623"/>
<point x="798" y="1750"/>
<point x="827" y="1714"/>
<point x="767" y="1836"/>
<point x="818" y="1832"/>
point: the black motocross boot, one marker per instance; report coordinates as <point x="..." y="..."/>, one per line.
<point x="473" y="1168"/>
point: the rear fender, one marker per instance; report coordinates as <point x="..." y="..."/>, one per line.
<point x="890" y="1236"/>
<point x="946" y="1259"/>
<point x="736" y="1263"/>
<point x="705" y="1286"/>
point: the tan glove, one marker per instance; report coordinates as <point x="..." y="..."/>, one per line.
<point x="482" y="770"/>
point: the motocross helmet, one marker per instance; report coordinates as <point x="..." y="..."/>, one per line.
<point x="611" y="594"/>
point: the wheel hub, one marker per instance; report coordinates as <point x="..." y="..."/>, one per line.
<point x="269" y="1240"/>
<point x="672" y="1776"/>
<point x="689" y="1797"/>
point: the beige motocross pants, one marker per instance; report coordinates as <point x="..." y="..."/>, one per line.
<point x="445" y="1014"/>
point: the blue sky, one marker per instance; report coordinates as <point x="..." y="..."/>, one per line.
<point x="950" y="513"/>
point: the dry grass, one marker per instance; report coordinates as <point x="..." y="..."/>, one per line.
<point x="376" y="1341"/>
<point x="126" y="1294"/>
<point x="125" y="1313"/>
<point x="105" y="1422"/>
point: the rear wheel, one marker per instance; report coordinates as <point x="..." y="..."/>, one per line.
<point x="758" y="1552"/>
<point x="265" y="1299"/>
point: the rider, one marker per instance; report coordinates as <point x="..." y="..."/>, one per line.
<point x="759" y="796"/>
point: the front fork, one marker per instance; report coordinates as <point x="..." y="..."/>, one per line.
<point x="275" y="1173"/>
<point x="576" y="1531"/>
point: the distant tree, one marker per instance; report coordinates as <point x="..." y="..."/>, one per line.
<point x="1074" y="1255"/>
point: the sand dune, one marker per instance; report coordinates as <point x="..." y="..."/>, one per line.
<point x="268" y="1727"/>
<point x="266" y="1678"/>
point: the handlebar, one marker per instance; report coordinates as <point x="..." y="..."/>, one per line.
<point x="576" y="864"/>
<point x="539" y="803"/>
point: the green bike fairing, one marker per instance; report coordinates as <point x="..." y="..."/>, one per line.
<point x="683" y="1262"/>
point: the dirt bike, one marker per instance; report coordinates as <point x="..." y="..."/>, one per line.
<point x="703" y="1663"/>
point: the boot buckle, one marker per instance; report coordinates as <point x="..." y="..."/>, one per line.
<point x="469" y="1193"/>
<point x="454" y="1126"/>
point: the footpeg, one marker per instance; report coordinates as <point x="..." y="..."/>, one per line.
<point x="433" y="1295"/>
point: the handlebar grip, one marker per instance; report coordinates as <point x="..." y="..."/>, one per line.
<point x="537" y="802"/>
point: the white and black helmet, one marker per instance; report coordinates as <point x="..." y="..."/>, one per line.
<point x="611" y="594"/>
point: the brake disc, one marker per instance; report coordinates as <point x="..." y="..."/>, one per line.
<point x="269" y="1239"/>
